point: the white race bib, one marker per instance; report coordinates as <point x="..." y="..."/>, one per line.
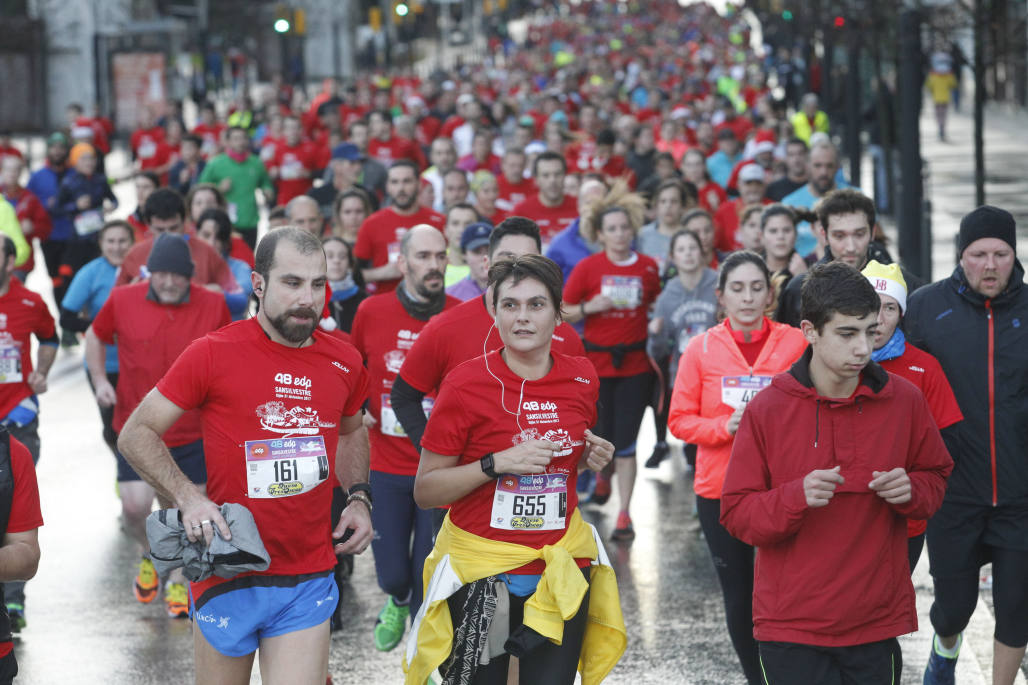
<point x="89" y="221"/>
<point x="390" y="425"/>
<point x="10" y="364"/>
<point x="533" y="502"/>
<point x="737" y="391"/>
<point x="393" y="250"/>
<point x="624" y="291"/>
<point x="285" y="467"/>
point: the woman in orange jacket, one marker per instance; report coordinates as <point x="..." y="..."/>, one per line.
<point x="720" y="371"/>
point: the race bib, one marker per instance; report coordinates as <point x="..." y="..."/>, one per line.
<point x="147" y="150"/>
<point x="737" y="391"/>
<point x="533" y="502"/>
<point x="232" y="209"/>
<point x="624" y="291"/>
<point x="390" y="425"/>
<point x="285" y="467"/>
<point x="89" y="222"/>
<point x="10" y="364"/>
<point x="393" y="250"/>
<point x="291" y="171"/>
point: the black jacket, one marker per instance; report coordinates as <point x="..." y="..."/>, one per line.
<point x="789" y="301"/>
<point x="952" y="322"/>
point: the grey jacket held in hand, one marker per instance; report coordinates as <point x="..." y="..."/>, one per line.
<point x="171" y="549"/>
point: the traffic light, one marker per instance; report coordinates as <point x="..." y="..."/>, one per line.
<point x="402" y="10"/>
<point x="282" y="18"/>
<point x="787" y="15"/>
<point x="840" y="21"/>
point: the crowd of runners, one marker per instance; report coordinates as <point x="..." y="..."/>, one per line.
<point x="467" y="291"/>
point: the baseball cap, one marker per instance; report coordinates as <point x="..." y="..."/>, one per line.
<point x="474" y="236"/>
<point x="347" y="151"/>
<point x="57" y="138"/>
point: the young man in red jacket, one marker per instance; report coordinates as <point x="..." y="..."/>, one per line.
<point x="825" y="505"/>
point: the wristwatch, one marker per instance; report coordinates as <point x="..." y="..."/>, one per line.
<point x="487" y="465"/>
<point x="360" y="487"/>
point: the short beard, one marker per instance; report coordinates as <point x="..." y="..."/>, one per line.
<point x="294" y="332"/>
<point x="423" y="290"/>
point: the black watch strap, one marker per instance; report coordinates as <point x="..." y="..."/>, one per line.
<point x="488" y="466"/>
<point x="360" y="487"/>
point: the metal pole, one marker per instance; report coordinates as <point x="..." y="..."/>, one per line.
<point x="979" y="102"/>
<point x="853" y="116"/>
<point x="911" y="207"/>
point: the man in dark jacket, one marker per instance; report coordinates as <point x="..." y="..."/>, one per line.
<point x="847" y="218"/>
<point x="972" y="323"/>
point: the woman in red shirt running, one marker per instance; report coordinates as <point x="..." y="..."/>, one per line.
<point x="541" y="402"/>
<point x="720" y="372"/>
<point x="613" y="290"/>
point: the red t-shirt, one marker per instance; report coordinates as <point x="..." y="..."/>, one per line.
<point x="472" y="418"/>
<point x="923" y="370"/>
<point x="211" y="137"/>
<point x="513" y="194"/>
<point x="712" y="196"/>
<point x="208" y="266"/>
<point x="256" y="396"/>
<point x="396" y="148"/>
<point x="241" y="251"/>
<point x="454" y="337"/>
<point x="296" y="165"/>
<point x="633" y="288"/>
<point x="150" y="337"/>
<point x="726" y="225"/>
<point x="383" y="332"/>
<point x="378" y="239"/>
<point x="144" y="143"/>
<point x="22" y="315"/>
<point x="551" y="220"/>
<point x="25" y="512"/>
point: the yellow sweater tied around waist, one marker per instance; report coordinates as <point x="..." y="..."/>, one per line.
<point x="460" y="557"/>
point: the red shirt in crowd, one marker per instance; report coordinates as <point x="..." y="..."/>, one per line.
<point x="150" y="336"/>
<point x="208" y="266"/>
<point x="263" y="402"/>
<point x="22" y="315"/>
<point x="513" y="194"/>
<point x="726" y="225"/>
<point x="211" y="137"/>
<point x="396" y="148"/>
<point x="296" y="165"/>
<point x="144" y="141"/>
<point x="470" y="421"/>
<point x="383" y="332"/>
<point x="26" y="514"/>
<point x="712" y="196"/>
<point x="551" y="220"/>
<point x="632" y="287"/>
<point x="241" y="251"/>
<point x="378" y="240"/>
<point x="439" y="348"/>
<point x="923" y="370"/>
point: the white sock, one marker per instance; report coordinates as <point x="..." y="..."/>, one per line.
<point x="948" y="653"/>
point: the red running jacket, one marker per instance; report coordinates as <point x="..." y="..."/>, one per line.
<point x="836" y="575"/>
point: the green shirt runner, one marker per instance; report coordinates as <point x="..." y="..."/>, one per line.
<point x="246" y="177"/>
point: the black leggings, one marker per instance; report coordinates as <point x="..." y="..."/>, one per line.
<point x="661" y="391"/>
<point x="733" y="561"/>
<point x="914" y="547"/>
<point x="107" y="413"/>
<point x="547" y="664"/>
<point x="956" y="598"/>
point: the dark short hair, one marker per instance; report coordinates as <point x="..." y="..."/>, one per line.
<point x="845" y="201"/>
<point x="401" y="163"/>
<point x="224" y="223"/>
<point x="151" y="177"/>
<point x="531" y="266"/>
<point x="193" y="138"/>
<point x="836" y="287"/>
<point x="464" y="206"/>
<point x="741" y="258"/>
<point x="776" y="209"/>
<point x="386" y="115"/>
<point x="164" y="203"/>
<point x="798" y="141"/>
<point x="199" y="188"/>
<point x="664" y="157"/>
<point x="278" y="212"/>
<point x="515" y="225"/>
<point x="346" y="194"/>
<point x="549" y="156"/>
<point x="679" y="235"/>
<point x="686" y="190"/>
<point x="229" y="130"/>
<point x="264" y="258"/>
<point x="606" y="137"/>
<point x="694" y="213"/>
<point x="117" y="223"/>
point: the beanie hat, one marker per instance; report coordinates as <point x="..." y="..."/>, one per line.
<point x="170" y="253"/>
<point x="987" y="222"/>
<point x="888" y="280"/>
<point x="77" y="150"/>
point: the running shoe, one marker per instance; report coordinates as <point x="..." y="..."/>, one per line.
<point x="392" y="621"/>
<point x="660" y="452"/>
<point x="16" y="612"/>
<point x="146" y="584"/>
<point x="941" y="670"/>
<point x="177" y="599"/>
<point x="623" y="531"/>
<point x="601" y="493"/>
